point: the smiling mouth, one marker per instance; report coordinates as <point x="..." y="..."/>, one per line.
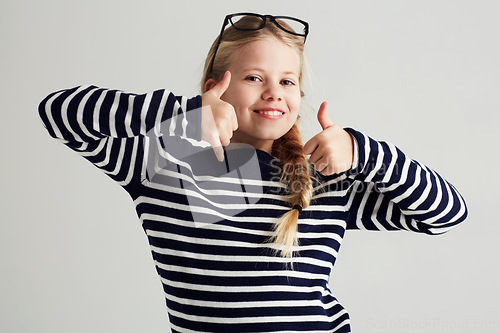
<point x="270" y="113"/>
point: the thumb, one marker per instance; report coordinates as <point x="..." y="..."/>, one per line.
<point x="323" y="118"/>
<point x="220" y="88"/>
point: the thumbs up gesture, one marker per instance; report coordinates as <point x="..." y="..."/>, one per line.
<point x="218" y="118"/>
<point x="331" y="150"/>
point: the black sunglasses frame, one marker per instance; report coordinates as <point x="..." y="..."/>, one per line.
<point x="228" y="19"/>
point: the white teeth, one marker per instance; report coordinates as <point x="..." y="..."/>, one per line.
<point x="272" y="113"/>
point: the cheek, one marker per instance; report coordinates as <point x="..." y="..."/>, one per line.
<point x="295" y="104"/>
<point x="237" y="97"/>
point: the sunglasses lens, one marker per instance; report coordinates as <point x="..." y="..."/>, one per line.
<point x="255" y="22"/>
<point x="291" y="26"/>
<point x="247" y="22"/>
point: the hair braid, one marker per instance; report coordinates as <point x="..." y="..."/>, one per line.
<point x="296" y="175"/>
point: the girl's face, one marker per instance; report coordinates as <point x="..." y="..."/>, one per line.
<point x="264" y="91"/>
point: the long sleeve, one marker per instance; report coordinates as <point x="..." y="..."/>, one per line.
<point x="112" y="129"/>
<point x="392" y="192"/>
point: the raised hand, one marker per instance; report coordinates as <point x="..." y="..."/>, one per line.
<point x="331" y="150"/>
<point x="218" y="118"/>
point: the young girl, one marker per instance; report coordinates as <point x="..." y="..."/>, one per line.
<point x="244" y="238"/>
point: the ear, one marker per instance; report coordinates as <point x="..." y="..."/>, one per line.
<point x="210" y="84"/>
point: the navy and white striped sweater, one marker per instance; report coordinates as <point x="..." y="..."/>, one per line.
<point x="208" y="223"/>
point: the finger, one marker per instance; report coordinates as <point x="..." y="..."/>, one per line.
<point x="220" y="88"/>
<point x="225" y="137"/>
<point x="234" y="121"/>
<point x="214" y="141"/>
<point x="323" y="118"/>
<point x="217" y="147"/>
<point x="225" y="130"/>
<point x="322" y="166"/>
<point x="316" y="156"/>
<point x="310" y="146"/>
<point x="327" y="171"/>
<point x="219" y="152"/>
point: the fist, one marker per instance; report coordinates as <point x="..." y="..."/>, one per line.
<point x="331" y="149"/>
<point x="218" y="118"/>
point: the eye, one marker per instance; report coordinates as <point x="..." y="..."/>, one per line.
<point x="253" y="78"/>
<point x="287" y="82"/>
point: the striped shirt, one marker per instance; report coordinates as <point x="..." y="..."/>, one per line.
<point x="209" y="223"/>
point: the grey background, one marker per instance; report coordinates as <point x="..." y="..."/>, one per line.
<point x="421" y="74"/>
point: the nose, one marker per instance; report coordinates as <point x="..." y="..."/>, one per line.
<point x="272" y="92"/>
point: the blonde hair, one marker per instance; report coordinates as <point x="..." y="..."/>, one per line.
<point x="288" y="150"/>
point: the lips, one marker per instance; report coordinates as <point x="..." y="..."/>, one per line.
<point x="270" y="113"/>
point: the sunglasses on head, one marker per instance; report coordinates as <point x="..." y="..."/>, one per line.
<point x="294" y="26"/>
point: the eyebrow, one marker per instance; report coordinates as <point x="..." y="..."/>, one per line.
<point x="258" y="69"/>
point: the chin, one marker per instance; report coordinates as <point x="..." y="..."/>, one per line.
<point x="271" y="136"/>
<point x="271" y="133"/>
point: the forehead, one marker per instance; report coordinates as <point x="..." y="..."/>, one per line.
<point x="269" y="54"/>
